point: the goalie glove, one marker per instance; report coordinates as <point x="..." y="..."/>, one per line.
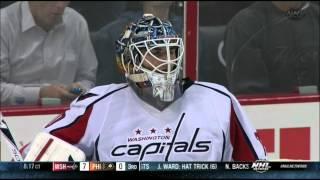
<point x="46" y="147"/>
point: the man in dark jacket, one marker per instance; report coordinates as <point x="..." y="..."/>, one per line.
<point x="273" y="47"/>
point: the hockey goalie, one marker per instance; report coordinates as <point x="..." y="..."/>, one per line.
<point x="156" y="116"/>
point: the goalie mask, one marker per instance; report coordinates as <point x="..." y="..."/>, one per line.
<point x="150" y="52"/>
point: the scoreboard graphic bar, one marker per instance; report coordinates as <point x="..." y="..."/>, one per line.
<point x="259" y="166"/>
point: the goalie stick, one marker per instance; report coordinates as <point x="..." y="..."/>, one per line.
<point x="10" y="141"/>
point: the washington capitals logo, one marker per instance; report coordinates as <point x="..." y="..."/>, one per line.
<point x="160" y="144"/>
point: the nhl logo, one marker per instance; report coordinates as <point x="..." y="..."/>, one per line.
<point x="260" y="166"/>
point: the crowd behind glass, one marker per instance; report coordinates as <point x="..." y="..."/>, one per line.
<point x="252" y="48"/>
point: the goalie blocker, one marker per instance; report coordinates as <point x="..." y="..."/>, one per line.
<point x="46" y="147"/>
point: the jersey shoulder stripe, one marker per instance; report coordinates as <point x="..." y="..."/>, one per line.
<point x="105" y="91"/>
<point x="74" y="131"/>
<point x="215" y="87"/>
<point x="83" y="101"/>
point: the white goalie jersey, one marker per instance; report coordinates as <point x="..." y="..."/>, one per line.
<point x="111" y="123"/>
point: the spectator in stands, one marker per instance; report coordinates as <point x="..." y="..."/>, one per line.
<point x="104" y="39"/>
<point x="273" y="47"/>
<point x="45" y="52"/>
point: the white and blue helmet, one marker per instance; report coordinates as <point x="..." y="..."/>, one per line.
<point x="144" y="37"/>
